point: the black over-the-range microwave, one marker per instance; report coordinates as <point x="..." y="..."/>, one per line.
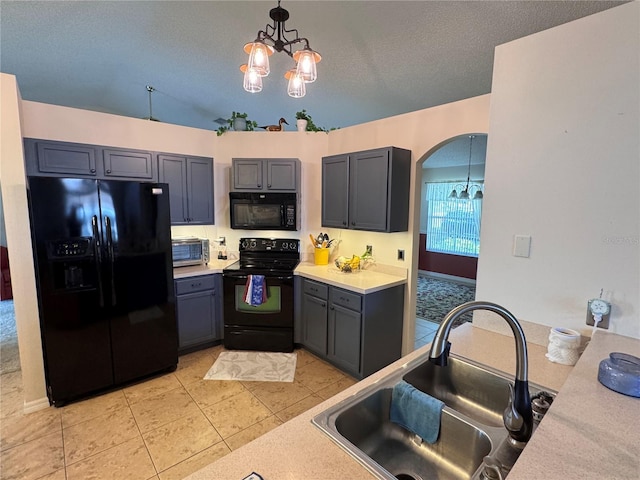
<point x="263" y="211"/>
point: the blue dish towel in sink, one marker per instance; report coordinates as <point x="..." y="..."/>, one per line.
<point x="416" y="411"/>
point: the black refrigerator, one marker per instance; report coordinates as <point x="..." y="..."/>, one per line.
<point x="104" y="273"/>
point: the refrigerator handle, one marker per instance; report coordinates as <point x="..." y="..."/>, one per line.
<point x="98" y="255"/>
<point x="107" y="222"/>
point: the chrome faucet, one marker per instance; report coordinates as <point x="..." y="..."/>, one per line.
<point x="518" y="416"/>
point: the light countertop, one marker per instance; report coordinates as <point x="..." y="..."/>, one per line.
<point x="363" y="281"/>
<point x="214" y="266"/>
<point x="589" y="432"/>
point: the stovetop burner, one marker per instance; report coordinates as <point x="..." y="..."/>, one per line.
<point x="266" y="255"/>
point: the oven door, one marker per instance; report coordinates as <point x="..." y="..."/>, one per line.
<point x="266" y="327"/>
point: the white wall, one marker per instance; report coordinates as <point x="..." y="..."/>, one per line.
<point x="18" y="233"/>
<point x="563" y="167"/>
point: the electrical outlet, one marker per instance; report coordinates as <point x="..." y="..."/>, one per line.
<point x="400" y="254"/>
<point x="369" y="249"/>
<point x="604" y="323"/>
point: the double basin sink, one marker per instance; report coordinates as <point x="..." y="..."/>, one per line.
<point x="471" y="427"/>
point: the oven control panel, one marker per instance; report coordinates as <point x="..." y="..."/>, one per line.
<point x="269" y="245"/>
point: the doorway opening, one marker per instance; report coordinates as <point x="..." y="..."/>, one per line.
<point x="449" y="242"/>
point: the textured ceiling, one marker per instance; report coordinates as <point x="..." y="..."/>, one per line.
<point x="380" y="58"/>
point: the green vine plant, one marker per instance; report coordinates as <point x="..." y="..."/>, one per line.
<point x="311" y="127"/>
<point x="251" y="125"/>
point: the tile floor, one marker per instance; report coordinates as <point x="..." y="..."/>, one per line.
<point x="162" y="429"/>
<point x="425" y="331"/>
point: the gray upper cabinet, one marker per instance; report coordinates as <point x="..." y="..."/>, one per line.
<point x="130" y="164"/>
<point x="63" y="159"/>
<point x="190" y="182"/>
<point x="335" y="190"/>
<point x="367" y="190"/>
<point x="265" y="174"/>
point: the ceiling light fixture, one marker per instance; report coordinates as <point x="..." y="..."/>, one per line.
<point x="464" y="194"/>
<point x="150" y="89"/>
<point x="263" y="47"/>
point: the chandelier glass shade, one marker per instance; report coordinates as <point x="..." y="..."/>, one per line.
<point x="274" y="39"/>
<point x="465" y="192"/>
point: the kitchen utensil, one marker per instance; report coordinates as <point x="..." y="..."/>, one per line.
<point x="320" y="238"/>
<point x="313" y="241"/>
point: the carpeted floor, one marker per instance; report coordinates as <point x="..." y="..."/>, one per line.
<point x="9" y="355"/>
<point x="436" y="297"/>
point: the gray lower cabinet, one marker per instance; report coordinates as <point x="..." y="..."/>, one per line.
<point x="190" y="182"/>
<point x="198" y="311"/>
<point x="359" y="334"/>
<point x="65" y="159"/>
<point x="367" y="190"/>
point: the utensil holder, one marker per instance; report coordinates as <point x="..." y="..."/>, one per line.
<point x="321" y="256"/>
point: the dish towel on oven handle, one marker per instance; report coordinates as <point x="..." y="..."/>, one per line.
<point x="255" y="291"/>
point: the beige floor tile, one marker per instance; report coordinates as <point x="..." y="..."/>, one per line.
<point x="11" y="381"/>
<point x="93" y="407"/>
<point x="33" y="459"/>
<point x="196" y="462"/>
<point x="129" y="460"/>
<point x="57" y="475"/>
<point x="298" y="408"/>
<point x="210" y="392"/>
<point x="24" y="428"/>
<point x="152" y="387"/>
<point x="176" y="441"/>
<point x="337" y="387"/>
<point x="11" y="403"/>
<point x="318" y="375"/>
<point x="194" y="369"/>
<point x="234" y="414"/>
<point x="279" y="395"/>
<point x="304" y="357"/>
<point x="98" y="434"/>
<point x="242" y="438"/>
<point x="153" y="412"/>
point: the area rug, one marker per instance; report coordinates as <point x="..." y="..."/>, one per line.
<point x="253" y="366"/>
<point x="9" y="354"/>
<point x="437" y="297"/>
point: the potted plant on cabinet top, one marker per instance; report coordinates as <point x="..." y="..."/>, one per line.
<point x="304" y="122"/>
<point x="238" y="122"/>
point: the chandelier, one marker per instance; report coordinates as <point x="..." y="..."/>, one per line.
<point x="464" y="194"/>
<point x="274" y="38"/>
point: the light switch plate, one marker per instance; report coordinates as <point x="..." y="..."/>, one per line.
<point x="522" y="246"/>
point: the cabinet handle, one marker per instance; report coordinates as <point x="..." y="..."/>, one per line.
<point x="344" y="223"/>
<point x="324" y="305"/>
<point x="268" y="185"/>
<point x="93" y="170"/>
<point x="353" y="223"/>
<point x="108" y="171"/>
<point x="331" y="308"/>
<point x="259" y="186"/>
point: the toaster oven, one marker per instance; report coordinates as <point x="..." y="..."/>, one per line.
<point x="189" y="251"/>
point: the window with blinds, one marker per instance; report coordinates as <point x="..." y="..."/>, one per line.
<point x="453" y="225"/>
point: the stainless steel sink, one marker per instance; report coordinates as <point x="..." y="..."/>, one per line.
<point x="471" y="425"/>
<point x="468" y="388"/>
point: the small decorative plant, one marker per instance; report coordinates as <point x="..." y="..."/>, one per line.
<point x="311" y="127"/>
<point x="237" y="116"/>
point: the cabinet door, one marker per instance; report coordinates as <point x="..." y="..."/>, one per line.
<point x="281" y="175"/>
<point x="173" y="170"/>
<point x="128" y="164"/>
<point x="196" y="318"/>
<point x="335" y="178"/>
<point x="345" y="328"/>
<point x="368" y="192"/>
<point x="66" y="158"/>
<point x="200" y="190"/>
<point x="247" y="174"/>
<point x="314" y="314"/>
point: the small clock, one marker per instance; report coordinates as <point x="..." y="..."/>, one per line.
<point x="599" y="307"/>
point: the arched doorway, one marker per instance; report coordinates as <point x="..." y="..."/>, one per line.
<point x="450" y="211"/>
